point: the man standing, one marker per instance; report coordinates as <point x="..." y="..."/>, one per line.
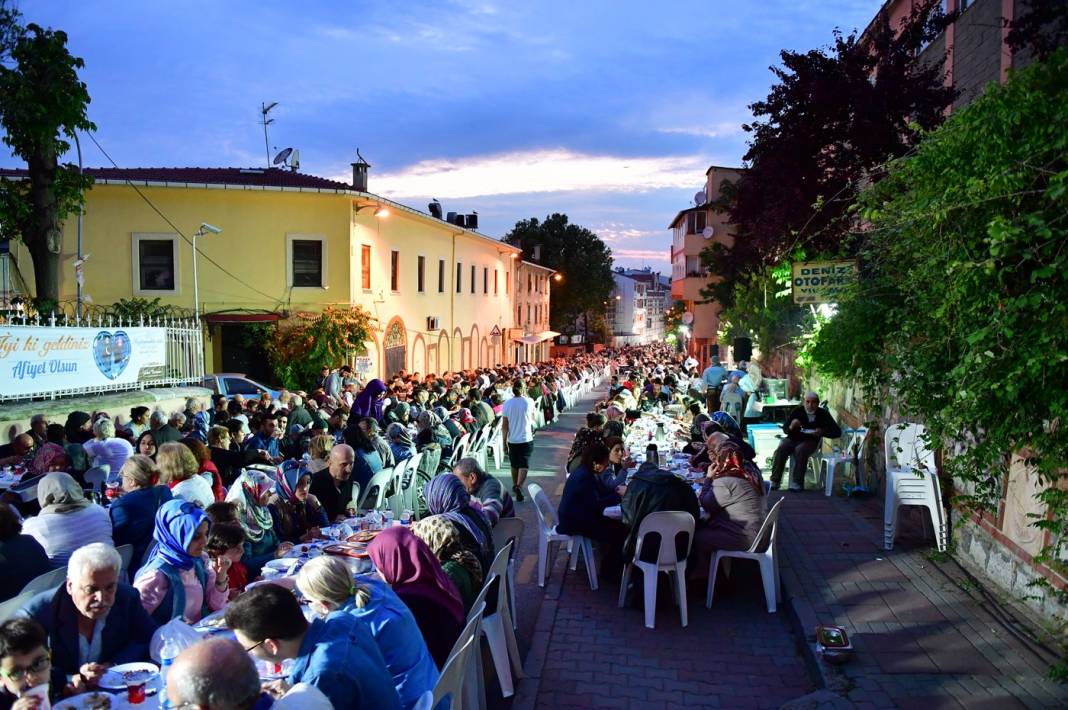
<point x="518" y="432"/>
<point x="713" y="377"/>
<point x="804" y="428"/>
<point x="333" y="485"/>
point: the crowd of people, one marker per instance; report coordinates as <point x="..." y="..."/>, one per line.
<point x="205" y="497"/>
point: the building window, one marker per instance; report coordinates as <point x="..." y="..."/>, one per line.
<point x="421" y="274"/>
<point x="365" y="267"/>
<point x="519" y="314"/>
<point x="695" y="222"/>
<point x="507" y="281"/>
<point x="528" y="313"/>
<point x="394" y="270"/>
<point x="530" y="283"/>
<point x="441" y="276"/>
<point x="459" y="276"/>
<point x="472" y="278"/>
<point x="155" y="264"/>
<point x="305" y="261"/>
<point x="485" y="280"/>
<point x="495" y="282"/>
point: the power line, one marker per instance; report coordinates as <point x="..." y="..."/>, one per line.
<point x="178" y="231"/>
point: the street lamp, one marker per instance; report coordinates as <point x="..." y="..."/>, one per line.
<point x="205" y="228"/>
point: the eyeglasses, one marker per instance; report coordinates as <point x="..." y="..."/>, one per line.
<point x="254" y="646"/>
<point x="39" y="665"/>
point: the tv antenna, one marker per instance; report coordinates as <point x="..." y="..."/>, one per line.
<point x="265" y="109"/>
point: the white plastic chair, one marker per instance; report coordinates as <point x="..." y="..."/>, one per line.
<point x="763" y="551"/>
<point x="46" y="581"/>
<point x="126" y="557"/>
<point x="97" y="476"/>
<point x="455" y="682"/>
<point x="401" y="490"/>
<point x="9" y="608"/>
<point x="495" y="444"/>
<point x="379" y="483"/>
<point x="509" y="530"/>
<point x="731" y="403"/>
<point x="583" y="546"/>
<point x="668" y="524"/>
<point x="547" y="534"/>
<point x="852" y="454"/>
<point x="911" y="479"/>
<point x="497" y="623"/>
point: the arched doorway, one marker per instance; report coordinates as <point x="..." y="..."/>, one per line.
<point x="443" y="354"/>
<point x="419" y="358"/>
<point x="394" y="346"/>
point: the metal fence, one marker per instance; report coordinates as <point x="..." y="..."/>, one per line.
<point x="184" y="345"/>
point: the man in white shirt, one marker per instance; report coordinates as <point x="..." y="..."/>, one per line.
<point x="518" y="432"/>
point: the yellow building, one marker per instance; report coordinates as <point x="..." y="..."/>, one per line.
<point x="292" y="243"/>
<point x="532" y="338"/>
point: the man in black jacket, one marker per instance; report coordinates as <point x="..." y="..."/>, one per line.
<point x="804" y="428"/>
<point x="652" y="490"/>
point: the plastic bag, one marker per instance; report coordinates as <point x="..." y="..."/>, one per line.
<point x="181" y="633"/>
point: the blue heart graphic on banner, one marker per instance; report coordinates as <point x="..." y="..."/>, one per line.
<point x="111" y="352"/>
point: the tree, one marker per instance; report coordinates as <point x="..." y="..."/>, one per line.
<point x="962" y="312"/>
<point x="823" y="131"/>
<point x="42" y="102"/>
<point x="578" y="254"/>
<point x="299" y="347"/>
<point x="1041" y="27"/>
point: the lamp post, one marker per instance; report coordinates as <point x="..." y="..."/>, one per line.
<point x="204" y="228"/>
<point x="79" y="264"/>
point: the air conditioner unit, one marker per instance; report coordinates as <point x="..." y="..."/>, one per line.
<point x="433" y="323"/>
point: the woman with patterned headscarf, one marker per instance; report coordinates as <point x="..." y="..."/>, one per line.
<point x="296" y="514"/>
<point x="50" y="457"/>
<point x="432" y="431"/>
<point x="460" y="561"/>
<point x="733" y="495"/>
<point x="249" y="494"/>
<point x="400" y="442"/>
<point x="447" y="497"/>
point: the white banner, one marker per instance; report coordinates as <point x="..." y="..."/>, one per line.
<point x="39" y="360"/>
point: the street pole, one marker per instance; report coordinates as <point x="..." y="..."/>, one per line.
<point x="79" y="268"/>
<point x="196" y="284"/>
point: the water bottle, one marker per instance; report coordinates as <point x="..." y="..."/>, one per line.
<point x="167" y="654"/>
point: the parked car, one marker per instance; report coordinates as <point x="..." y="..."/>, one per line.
<point x="231" y="383"/>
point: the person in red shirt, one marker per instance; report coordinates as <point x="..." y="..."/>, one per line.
<point x="226" y="542"/>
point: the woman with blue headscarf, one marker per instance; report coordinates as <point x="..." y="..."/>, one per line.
<point x="447" y="497"/>
<point x="368" y="402"/>
<point x="400" y="442"/>
<point x="178" y="580"/>
<point x="297" y="514"/>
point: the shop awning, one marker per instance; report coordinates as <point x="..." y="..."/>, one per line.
<point x="223" y="318"/>
<point x="536" y="338"/>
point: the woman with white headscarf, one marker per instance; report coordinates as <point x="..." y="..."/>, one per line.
<point x="67" y="520"/>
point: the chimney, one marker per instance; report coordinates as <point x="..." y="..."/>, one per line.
<point x="359" y="173"/>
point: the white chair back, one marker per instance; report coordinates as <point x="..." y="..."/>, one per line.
<point x="380" y="483"/>
<point x="899" y="445"/>
<point x="452" y="679"/>
<point x="765" y="537"/>
<point x="9" y="608"/>
<point x="46" y="581"/>
<point x="544" y="507"/>
<point x="97" y="476"/>
<point x="507" y="530"/>
<point x="126" y="555"/>
<point x="668" y="524"/>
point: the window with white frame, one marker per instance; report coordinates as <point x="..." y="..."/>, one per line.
<point x="155" y="264"/>
<point x="305" y="261"/>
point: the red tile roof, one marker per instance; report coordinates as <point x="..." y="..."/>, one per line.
<point x="261" y="177"/>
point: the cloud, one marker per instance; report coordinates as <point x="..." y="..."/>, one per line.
<point x="613" y="233"/>
<point x="718" y="130"/>
<point x="663" y="255"/>
<point x="543" y="170"/>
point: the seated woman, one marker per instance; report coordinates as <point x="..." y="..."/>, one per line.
<point x="446" y="496"/>
<point x="50" y="457"/>
<point x="327" y="583"/>
<point x="296" y="513"/>
<point x="318" y="449"/>
<point x="400" y="442"/>
<point x="21" y="557"/>
<point x="206" y="467"/>
<point x="106" y="449"/>
<point x="458" y="558"/>
<point x="146" y="445"/>
<point x="250" y="493"/>
<point x="696" y="433"/>
<point x="133" y="515"/>
<point x="399" y="413"/>
<point x="67" y="520"/>
<point x="227" y="461"/>
<point x="432" y="431"/>
<point x="178" y="471"/>
<point x="733" y="495"/>
<point x="450" y="424"/>
<point x="178" y="580"/>
<point x="581" y="509"/>
<point x="495" y="502"/>
<point x="411" y="569"/>
<point x="366" y="461"/>
<point x="593" y="431"/>
<point x="78" y="430"/>
<point x="618" y="463"/>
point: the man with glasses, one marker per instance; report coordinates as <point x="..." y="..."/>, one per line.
<point x="24" y="663"/>
<point x="92" y="621"/>
<point x="337" y="655"/>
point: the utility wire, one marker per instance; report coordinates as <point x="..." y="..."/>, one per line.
<point x="178" y="231"/>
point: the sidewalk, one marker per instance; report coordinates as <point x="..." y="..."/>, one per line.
<point x="921" y="638"/>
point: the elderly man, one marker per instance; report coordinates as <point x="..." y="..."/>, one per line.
<point x="496" y="503"/>
<point x="336" y="655"/>
<point x="713" y="376"/>
<point x="21" y="452"/>
<point x="333" y="485"/>
<point x="804" y="428"/>
<point x="93" y="621"/>
<point x="38" y="429"/>
<point x="217" y="674"/>
<point x="162" y="431"/>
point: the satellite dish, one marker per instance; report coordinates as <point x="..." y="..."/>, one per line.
<point x="707" y="232"/>
<point x="699" y="198"/>
<point x="282" y="157"/>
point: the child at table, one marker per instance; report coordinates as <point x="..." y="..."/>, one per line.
<point x="226" y="542"/>
<point x="24" y="664"/>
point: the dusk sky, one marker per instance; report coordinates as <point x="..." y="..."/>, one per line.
<point x="607" y="111"/>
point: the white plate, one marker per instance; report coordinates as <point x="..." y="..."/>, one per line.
<point x="113" y="680"/>
<point x="285" y="565"/>
<point x="79" y="702"/>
